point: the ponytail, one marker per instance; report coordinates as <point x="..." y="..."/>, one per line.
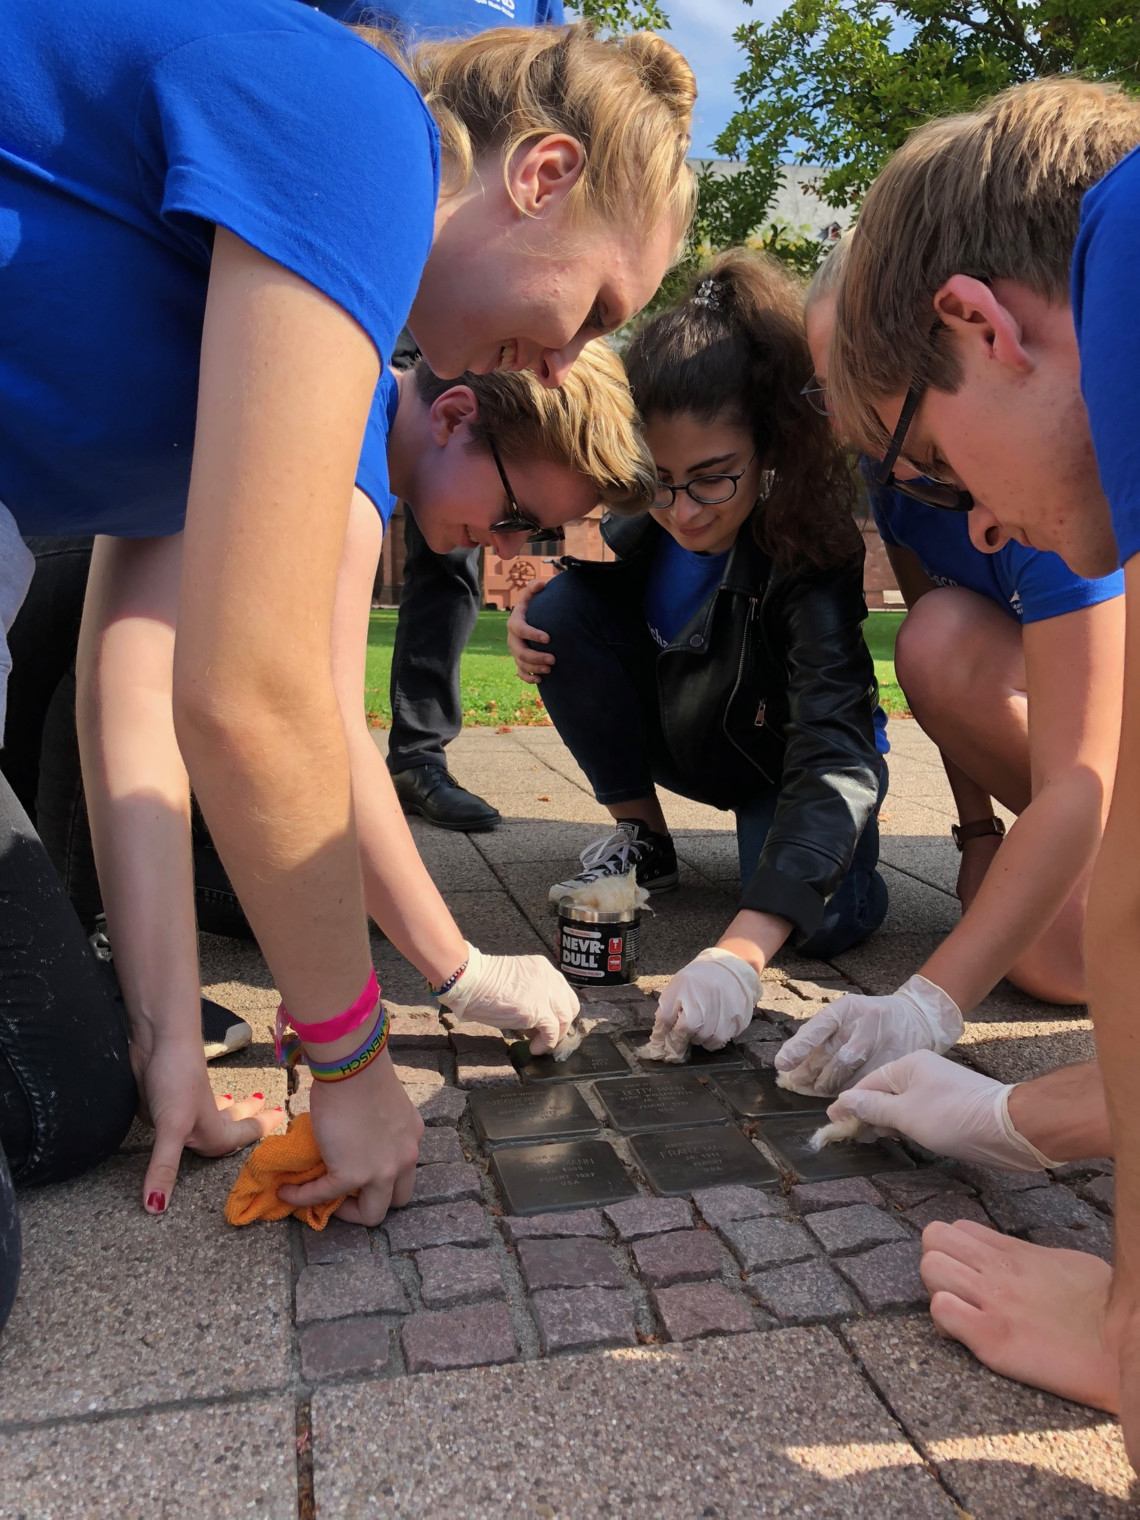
<point x="736" y="345"/>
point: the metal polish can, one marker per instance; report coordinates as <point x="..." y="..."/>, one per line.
<point x="597" y="948"/>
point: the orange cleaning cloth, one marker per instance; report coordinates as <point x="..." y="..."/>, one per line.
<point x="293" y="1157"/>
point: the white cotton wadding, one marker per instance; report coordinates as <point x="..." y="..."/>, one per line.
<point x="789" y="1080"/>
<point x="845" y="1129"/>
<point x="610" y="894"/>
<point x="569" y="1042"/>
<point x="665" y="1045"/>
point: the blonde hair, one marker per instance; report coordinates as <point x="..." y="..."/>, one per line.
<point x="589" y="424"/>
<point x="627" y="100"/>
<point x="994" y="194"/>
<point x="825" y="281"/>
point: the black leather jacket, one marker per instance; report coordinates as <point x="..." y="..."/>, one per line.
<point x="768" y="684"/>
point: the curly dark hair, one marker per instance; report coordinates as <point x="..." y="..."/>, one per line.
<point x="736" y="344"/>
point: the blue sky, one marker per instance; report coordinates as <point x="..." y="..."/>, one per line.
<point x="702" y="30"/>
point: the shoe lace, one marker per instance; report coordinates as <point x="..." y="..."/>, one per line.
<point x="614" y="855"/>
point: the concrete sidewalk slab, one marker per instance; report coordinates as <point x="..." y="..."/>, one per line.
<point x="741" y="1425"/>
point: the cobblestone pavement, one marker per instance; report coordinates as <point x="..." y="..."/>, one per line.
<point x="737" y="1350"/>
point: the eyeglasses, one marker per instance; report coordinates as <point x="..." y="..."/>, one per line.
<point x="705" y="490"/>
<point x="932" y="493"/>
<point x="815" y="394"/>
<point x="519" y="521"/>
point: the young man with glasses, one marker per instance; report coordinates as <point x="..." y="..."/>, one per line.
<point x="1020" y="400"/>
<point x="1012" y="664"/>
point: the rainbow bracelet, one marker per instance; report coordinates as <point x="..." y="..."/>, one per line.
<point x="349" y="1066"/>
<point x="445" y="988"/>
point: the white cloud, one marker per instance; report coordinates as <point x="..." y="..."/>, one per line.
<point x="702" y="30"/>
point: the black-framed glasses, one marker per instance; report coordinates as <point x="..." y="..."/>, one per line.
<point x="815" y="394"/>
<point x="705" y="490"/>
<point x="519" y="521"/>
<point x="931" y="493"/>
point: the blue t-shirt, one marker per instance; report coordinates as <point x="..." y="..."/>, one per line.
<point x="126" y="134"/>
<point x="1030" y="584"/>
<point x="680" y="582"/>
<point x="1106" y="312"/>
<point x="446" y="18"/>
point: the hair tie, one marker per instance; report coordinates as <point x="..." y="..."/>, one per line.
<point x="708" y="294"/>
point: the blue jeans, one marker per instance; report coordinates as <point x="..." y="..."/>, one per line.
<point x="602" y="698"/>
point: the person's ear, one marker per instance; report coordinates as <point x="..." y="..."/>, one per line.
<point x="457" y="408"/>
<point x="971" y="310"/>
<point x="542" y="174"/>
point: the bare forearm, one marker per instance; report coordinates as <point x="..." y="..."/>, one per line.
<point x="1063" y="1113"/>
<point x="398" y="892"/>
<point x="1034" y="872"/>
<point x="755" y="937"/>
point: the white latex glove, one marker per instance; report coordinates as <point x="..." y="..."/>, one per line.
<point x="707" y="1003"/>
<point x="515" y="992"/>
<point x="945" y="1107"/>
<point x="856" y="1035"/>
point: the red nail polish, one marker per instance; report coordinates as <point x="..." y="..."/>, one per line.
<point x="228" y="1096"/>
<point x="156" y="1203"/>
<point x="259" y="1095"/>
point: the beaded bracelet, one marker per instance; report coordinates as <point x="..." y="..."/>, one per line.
<point x="442" y="991"/>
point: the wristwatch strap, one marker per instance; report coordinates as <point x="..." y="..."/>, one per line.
<point x="962" y="832"/>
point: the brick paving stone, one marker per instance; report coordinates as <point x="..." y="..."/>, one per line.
<point x="444" y="1184"/>
<point x="440" y="1147"/>
<point x="762" y="1053"/>
<point x="574" y="1319"/>
<point x="484" y="1072"/>
<point x="635" y="1217"/>
<point x="1095" y="1241"/>
<point x="1055" y="1208"/>
<point x="806" y="1294"/>
<point x="576" y="1263"/>
<point x="1077" y="1171"/>
<point x="679" y="1257"/>
<point x="556" y="1226"/>
<point x="759" y="1243"/>
<point x="691" y="1310"/>
<point x="995" y="1179"/>
<point x="437" y="1224"/>
<point x="842" y="1232"/>
<point x="811" y="1197"/>
<point x="1099" y="1191"/>
<point x="343" y="1348"/>
<point x="820" y="992"/>
<point x="620" y="992"/>
<point x="478" y="1039"/>
<point x="411" y="1029"/>
<point x="413" y="1060"/>
<point x="359" y="1285"/>
<point x="723" y="1205"/>
<point x="906" y="1190"/>
<point x="479" y="1336"/>
<point x="948" y="1207"/>
<point x="445" y="1106"/>
<point x="887" y="1277"/>
<point x="337" y="1240"/>
<point x="419" y="1076"/>
<point x="451" y="1275"/>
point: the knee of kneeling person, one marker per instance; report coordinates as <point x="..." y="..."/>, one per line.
<point x="935" y="645"/>
<point x="562" y="607"/>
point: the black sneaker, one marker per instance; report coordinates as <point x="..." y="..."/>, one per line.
<point x="222" y="1030"/>
<point x="631" y="844"/>
<point x="434" y="794"/>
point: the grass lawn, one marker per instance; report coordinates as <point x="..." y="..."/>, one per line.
<point x="493" y="694"/>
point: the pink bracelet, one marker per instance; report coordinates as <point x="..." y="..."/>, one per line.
<point x="334" y="1028"/>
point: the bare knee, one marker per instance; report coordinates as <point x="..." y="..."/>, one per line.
<point x="947" y="643"/>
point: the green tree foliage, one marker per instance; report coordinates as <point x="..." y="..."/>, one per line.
<point x="610" y="16"/>
<point x="842" y="82"/>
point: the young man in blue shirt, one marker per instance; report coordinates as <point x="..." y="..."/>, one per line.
<point x="963" y="355"/>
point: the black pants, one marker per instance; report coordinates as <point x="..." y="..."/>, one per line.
<point x="40" y="759"/>
<point x="438" y="608"/>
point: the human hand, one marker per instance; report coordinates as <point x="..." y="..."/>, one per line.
<point x="977" y="857"/>
<point x="945" y="1107"/>
<point x="707" y="1003"/>
<point x="368" y="1131"/>
<point x="856" y="1035"/>
<point x="515" y="992"/>
<point x="177" y="1100"/>
<point x="531" y="664"/>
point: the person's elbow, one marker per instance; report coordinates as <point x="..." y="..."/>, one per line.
<point x="239" y="715"/>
